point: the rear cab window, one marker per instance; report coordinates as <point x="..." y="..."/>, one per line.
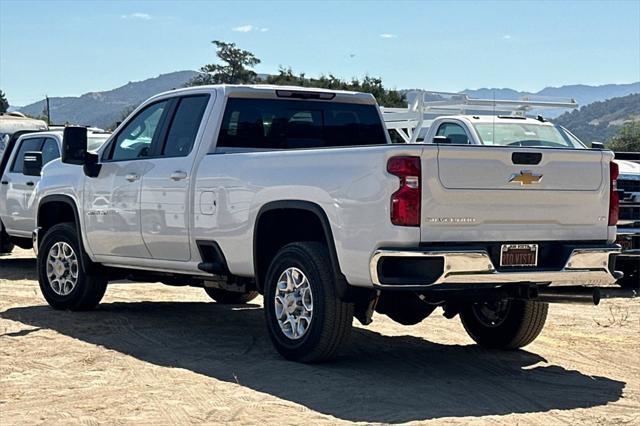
<point x="526" y="134"/>
<point x="291" y="124"/>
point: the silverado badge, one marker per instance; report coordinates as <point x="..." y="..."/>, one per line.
<point x="525" y="177"/>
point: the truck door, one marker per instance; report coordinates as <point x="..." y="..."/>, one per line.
<point x="17" y="190"/>
<point x="112" y="200"/>
<point x="165" y="200"/>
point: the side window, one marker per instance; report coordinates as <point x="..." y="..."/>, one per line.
<point x="454" y="132"/>
<point x="31" y="144"/>
<point x="50" y="151"/>
<point x="134" y="141"/>
<point x="184" y="126"/>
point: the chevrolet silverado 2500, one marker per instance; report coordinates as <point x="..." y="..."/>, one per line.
<point x="297" y="194"/>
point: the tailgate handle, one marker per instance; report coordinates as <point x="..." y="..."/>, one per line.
<point x="526" y="157"/>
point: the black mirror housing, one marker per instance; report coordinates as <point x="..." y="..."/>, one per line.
<point x="74" y="145"/>
<point x="32" y="163"/>
<point x="441" y="139"/>
<point x="597" y="145"/>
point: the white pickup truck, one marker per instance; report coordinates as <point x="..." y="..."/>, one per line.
<point x="297" y="194"/>
<point x="20" y="166"/>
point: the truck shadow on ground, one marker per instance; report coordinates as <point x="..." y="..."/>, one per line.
<point x="18" y="268"/>
<point x="378" y="379"/>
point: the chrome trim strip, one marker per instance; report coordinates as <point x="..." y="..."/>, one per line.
<point x="585" y="266"/>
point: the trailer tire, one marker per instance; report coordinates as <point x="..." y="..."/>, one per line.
<point x="506" y="324"/>
<point x="64" y="282"/>
<point x="302" y="287"/>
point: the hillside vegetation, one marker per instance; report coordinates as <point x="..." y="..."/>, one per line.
<point x="601" y="121"/>
<point x="102" y="109"/>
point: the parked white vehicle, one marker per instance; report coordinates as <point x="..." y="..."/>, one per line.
<point x="297" y="194"/>
<point x="19" y="179"/>
<point x="16" y="122"/>
<point x="629" y="223"/>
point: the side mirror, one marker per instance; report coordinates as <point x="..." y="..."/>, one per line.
<point x="74" y="145"/>
<point x="441" y="139"/>
<point x="597" y="145"/>
<point x="32" y="163"/>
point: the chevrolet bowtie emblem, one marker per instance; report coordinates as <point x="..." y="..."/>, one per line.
<point x="525" y="177"/>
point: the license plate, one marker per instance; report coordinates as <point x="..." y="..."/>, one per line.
<point x="519" y="255"/>
<point x="626" y="243"/>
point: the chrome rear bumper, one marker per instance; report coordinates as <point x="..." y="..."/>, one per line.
<point x="585" y="267"/>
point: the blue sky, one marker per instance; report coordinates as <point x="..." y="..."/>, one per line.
<point x="64" y="48"/>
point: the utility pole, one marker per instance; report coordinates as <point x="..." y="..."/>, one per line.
<point x="48" y="111"/>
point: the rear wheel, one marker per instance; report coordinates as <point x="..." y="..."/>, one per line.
<point x="6" y="246"/>
<point x="226" y="297"/>
<point x="504" y="324"/>
<point x="306" y="319"/>
<point x="64" y="282"/>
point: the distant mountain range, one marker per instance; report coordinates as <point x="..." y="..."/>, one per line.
<point x="102" y="109"/>
<point x="582" y="94"/>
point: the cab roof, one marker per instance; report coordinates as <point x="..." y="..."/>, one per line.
<point x="268" y="91"/>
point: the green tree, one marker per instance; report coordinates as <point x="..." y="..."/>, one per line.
<point x="4" y="103"/>
<point x="235" y="69"/>
<point x="627" y="138"/>
<point x="373" y="85"/>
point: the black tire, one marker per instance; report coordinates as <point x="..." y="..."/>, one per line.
<point x="519" y="323"/>
<point x="331" y="321"/>
<point x="89" y="287"/>
<point x="631" y="268"/>
<point x="6" y="246"/>
<point x="225" y="297"/>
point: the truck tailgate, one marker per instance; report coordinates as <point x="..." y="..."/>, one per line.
<point x="488" y="193"/>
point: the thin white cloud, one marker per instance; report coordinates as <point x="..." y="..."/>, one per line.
<point x="137" y="15"/>
<point x="387" y="35"/>
<point x="249" y="28"/>
<point x="506" y="37"/>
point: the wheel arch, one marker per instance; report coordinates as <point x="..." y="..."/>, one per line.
<point x="285" y="209"/>
<point x="65" y="210"/>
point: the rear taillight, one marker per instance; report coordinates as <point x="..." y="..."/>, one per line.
<point x="614" y="198"/>
<point x="405" y="202"/>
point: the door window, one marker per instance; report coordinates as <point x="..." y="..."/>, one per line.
<point x="31" y="144"/>
<point x="184" y="126"/>
<point x="454" y="132"/>
<point x="134" y="141"/>
<point x="50" y="151"/>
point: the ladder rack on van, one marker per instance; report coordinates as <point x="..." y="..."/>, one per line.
<point x="424" y="106"/>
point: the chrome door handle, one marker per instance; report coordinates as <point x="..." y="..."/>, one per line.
<point x="132" y="177"/>
<point x="178" y="175"/>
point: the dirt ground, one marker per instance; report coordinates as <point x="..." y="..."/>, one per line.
<point x="153" y="354"/>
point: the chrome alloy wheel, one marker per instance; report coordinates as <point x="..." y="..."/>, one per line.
<point x="294" y="303"/>
<point x="62" y="268"/>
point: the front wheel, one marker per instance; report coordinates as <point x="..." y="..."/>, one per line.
<point x="305" y="317"/>
<point x="504" y="324"/>
<point x="64" y="282"/>
<point x="6" y="246"/>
